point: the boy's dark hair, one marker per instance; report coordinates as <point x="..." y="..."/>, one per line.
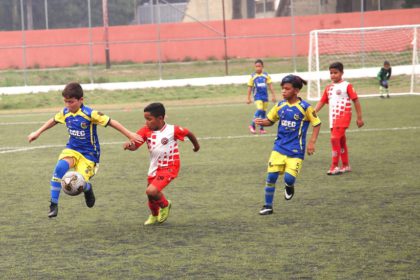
<point x="259" y="61"/>
<point x="73" y="90"/>
<point x="155" y="109"/>
<point x="386" y="62"/>
<point x="337" y="65"/>
<point x="296" y="81"/>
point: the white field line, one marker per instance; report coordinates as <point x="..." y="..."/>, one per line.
<point x="205" y="81"/>
<point x="20" y="123"/>
<point x="7" y="150"/>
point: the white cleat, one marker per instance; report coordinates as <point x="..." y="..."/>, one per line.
<point x="334" y="171"/>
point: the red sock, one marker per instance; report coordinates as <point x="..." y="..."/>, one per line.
<point x="162" y="202"/>
<point x="154" y="207"/>
<point x="335" y="144"/>
<point x="344" y="151"/>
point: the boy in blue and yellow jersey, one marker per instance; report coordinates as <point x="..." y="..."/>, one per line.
<point x="82" y="151"/>
<point x="257" y="85"/>
<point x="294" y="116"/>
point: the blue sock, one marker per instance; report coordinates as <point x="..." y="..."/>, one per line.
<point x="87" y="187"/>
<point x="262" y="116"/>
<point x="289" y="179"/>
<point x="270" y="188"/>
<point x="60" y="169"/>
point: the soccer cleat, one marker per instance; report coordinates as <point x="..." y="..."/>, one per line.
<point x="151" y="220"/>
<point x="382" y="96"/>
<point x="266" y="210"/>
<point x="89" y="197"/>
<point x="263" y="131"/>
<point x="345" y="169"/>
<point x="334" y="170"/>
<point x="387" y="96"/>
<point x="53" y="210"/>
<point x="289" y="191"/>
<point x="164" y="213"/>
<point x="252" y="129"/>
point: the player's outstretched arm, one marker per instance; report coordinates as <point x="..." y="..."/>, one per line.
<point x="194" y="141"/>
<point x="358" y="107"/>
<point x="319" y="106"/>
<point x="133" y="137"/>
<point x="263" y="122"/>
<point x="131" y="146"/>
<point x="312" y="141"/>
<point x="248" y="100"/>
<point x="47" y="125"/>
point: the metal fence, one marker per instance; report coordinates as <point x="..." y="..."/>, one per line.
<point x="159" y="45"/>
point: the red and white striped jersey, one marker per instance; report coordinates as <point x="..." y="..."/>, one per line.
<point x="163" y="146"/>
<point x="339" y="96"/>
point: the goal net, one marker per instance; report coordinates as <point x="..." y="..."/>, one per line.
<point x="363" y="52"/>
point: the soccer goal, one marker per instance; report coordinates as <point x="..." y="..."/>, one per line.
<point x="363" y="52"/>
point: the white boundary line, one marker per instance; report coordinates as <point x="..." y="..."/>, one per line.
<point x="7" y="150"/>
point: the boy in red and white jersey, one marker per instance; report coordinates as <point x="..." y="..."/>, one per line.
<point x="339" y="95"/>
<point x="161" y="139"/>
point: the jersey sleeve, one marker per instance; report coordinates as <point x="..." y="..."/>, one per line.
<point x="351" y="92"/>
<point x="269" y="81"/>
<point x="142" y="133"/>
<point x="180" y="133"/>
<point x="312" y="116"/>
<point x="324" y="97"/>
<point x="251" y="81"/>
<point x="59" y="117"/>
<point x="100" y="118"/>
<point x="273" y="115"/>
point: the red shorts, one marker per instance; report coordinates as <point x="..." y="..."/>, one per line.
<point x="338" y="132"/>
<point x="163" y="177"/>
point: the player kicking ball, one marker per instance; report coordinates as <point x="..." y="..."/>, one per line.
<point x="161" y="139"/>
<point x="82" y="151"/>
<point x="294" y="116"/>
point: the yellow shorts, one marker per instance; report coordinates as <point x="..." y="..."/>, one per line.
<point x="281" y="163"/>
<point x="261" y="105"/>
<point x="82" y="165"/>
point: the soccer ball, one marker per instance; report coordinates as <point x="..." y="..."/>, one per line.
<point x="73" y="183"/>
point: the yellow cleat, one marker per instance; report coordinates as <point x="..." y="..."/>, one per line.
<point x="164" y="213"/>
<point x="151" y="220"/>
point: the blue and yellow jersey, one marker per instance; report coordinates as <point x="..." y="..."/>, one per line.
<point x="81" y="127"/>
<point x="294" y="120"/>
<point x="259" y="83"/>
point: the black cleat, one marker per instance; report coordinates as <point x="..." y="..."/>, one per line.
<point x="53" y="210"/>
<point x="90" y="197"/>
<point x="289" y="191"/>
<point x="266" y="210"/>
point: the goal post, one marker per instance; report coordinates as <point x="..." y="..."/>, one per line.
<point x="363" y="52"/>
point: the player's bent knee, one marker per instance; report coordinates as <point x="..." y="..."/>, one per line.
<point x="61" y="168"/>
<point x="289" y="179"/>
<point x="272" y="177"/>
<point x="152" y="191"/>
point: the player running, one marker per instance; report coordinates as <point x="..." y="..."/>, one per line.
<point x="294" y="116"/>
<point x="161" y="139"/>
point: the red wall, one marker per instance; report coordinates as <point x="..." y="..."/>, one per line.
<point x="181" y="40"/>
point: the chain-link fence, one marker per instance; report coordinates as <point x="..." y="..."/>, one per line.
<point x="96" y="41"/>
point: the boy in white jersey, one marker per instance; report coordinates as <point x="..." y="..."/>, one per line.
<point x="161" y="139"/>
<point x="339" y="95"/>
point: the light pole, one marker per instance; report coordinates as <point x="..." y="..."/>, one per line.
<point x="224" y="39"/>
<point x="106" y="37"/>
